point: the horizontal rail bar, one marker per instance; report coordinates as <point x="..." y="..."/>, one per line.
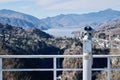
<point x="27" y="69"/>
<point x="67" y="69"/>
<point x="99" y="69"/>
<point x="57" y="56"/>
<point x="105" y="56"/>
<point x="40" y="56"/>
<point x="70" y="69"/>
<point x="115" y="69"/>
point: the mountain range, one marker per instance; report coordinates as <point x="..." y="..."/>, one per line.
<point x="20" y="19"/>
<point x="69" y="20"/>
<point x="77" y="20"/>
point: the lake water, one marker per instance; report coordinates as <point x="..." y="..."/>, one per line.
<point x="61" y="32"/>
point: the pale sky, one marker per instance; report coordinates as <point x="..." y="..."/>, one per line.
<point x="48" y="8"/>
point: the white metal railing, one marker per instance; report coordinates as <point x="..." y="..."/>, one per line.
<point x="55" y="69"/>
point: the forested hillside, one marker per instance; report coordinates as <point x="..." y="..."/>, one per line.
<point x="18" y="41"/>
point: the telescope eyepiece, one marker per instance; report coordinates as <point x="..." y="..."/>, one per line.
<point x="88" y="28"/>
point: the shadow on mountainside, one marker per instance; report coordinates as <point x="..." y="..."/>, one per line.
<point x="27" y="63"/>
<point x="99" y="62"/>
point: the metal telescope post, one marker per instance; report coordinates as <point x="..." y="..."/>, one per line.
<point x="87" y="53"/>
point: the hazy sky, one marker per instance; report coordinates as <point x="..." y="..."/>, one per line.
<point x="48" y="8"/>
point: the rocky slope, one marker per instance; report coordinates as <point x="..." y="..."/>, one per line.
<point x="109" y="26"/>
<point x="109" y="30"/>
<point x="18" y="41"/>
<point x="71" y="47"/>
<point x="72" y="63"/>
<point x="77" y="63"/>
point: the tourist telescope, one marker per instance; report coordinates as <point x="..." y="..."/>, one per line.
<point x="87" y="53"/>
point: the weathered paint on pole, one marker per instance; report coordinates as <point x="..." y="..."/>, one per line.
<point x="87" y="55"/>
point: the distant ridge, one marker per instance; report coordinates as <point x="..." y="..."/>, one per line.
<point x="94" y="19"/>
<point x="78" y="20"/>
<point x="20" y="19"/>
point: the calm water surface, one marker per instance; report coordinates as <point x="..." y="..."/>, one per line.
<point x="61" y="32"/>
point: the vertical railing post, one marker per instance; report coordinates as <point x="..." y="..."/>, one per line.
<point x="87" y="54"/>
<point x="108" y="68"/>
<point x="55" y="67"/>
<point x="1" y="69"/>
<point x="58" y="60"/>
